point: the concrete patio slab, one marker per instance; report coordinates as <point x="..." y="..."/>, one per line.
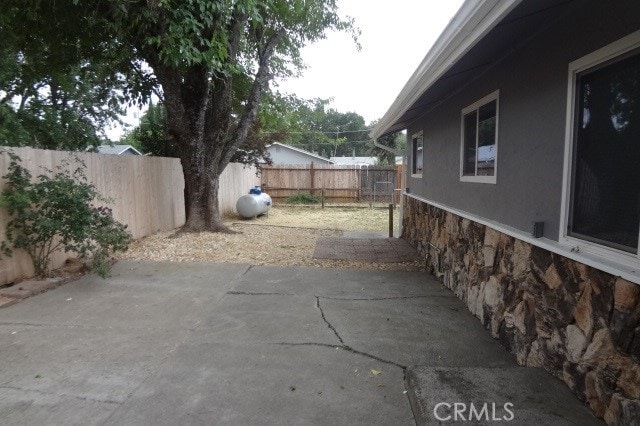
<point x="181" y="343"/>
<point x="20" y="407"/>
<point x="348" y="283"/>
<point x="498" y="396"/>
<point x="168" y="296"/>
<point x="267" y="318"/>
<point x="249" y="384"/>
<point x="101" y="364"/>
<point x="419" y="330"/>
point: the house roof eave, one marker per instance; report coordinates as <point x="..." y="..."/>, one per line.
<point x="470" y="24"/>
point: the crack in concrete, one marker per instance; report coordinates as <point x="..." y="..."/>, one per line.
<point x="377" y="358"/>
<point x="247" y="271"/>
<point x="377" y="298"/>
<point x="61" y="395"/>
<point x="327" y="322"/>
<point x="77" y="326"/>
<point x="71" y="326"/>
<point x="250" y="293"/>
<point x="345" y="348"/>
<point x="324" y="345"/>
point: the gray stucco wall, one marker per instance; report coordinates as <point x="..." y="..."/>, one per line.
<point x="532" y="109"/>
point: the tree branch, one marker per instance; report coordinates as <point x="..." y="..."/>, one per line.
<point x="170" y="80"/>
<point x="251" y="107"/>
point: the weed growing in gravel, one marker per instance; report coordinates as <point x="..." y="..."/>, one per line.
<point x="303" y="198"/>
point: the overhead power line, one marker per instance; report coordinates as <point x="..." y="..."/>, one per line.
<point x="318" y="131"/>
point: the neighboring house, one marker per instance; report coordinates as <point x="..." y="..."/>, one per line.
<point x="355" y="161"/>
<point x="523" y="185"/>
<point x="118" y="150"/>
<point x="286" y="154"/>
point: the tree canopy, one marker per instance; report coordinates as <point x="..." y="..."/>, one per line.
<point x="330" y="133"/>
<point x="210" y="62"/>
<point x="54" y="108"/>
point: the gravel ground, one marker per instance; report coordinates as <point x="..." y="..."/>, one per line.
<point x="286" y="237"/>
<point x="359" y="218"/>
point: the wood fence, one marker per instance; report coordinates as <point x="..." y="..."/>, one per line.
<point x="236" y="180"/>
<point x="147" y="194"/>
<point x="335" y="183"/>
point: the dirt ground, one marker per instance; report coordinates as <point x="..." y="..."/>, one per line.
<point x="360" y="218"/>
<point x="285" y="237"/>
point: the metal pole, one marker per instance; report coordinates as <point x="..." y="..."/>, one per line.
<point x="390" y="220"/>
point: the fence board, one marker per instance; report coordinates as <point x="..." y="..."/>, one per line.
<point x="147" y="194"/>
<point x="236" y="180"/>
<point x="338" y="183"/>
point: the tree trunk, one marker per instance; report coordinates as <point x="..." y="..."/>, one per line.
<point x="199" y="117"/>
<point x="201" y="198"/>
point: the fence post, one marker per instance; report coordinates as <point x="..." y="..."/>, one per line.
<point x="390" y="220"/>
<point x="311" y="172"/>
<point x="322" y="196"/>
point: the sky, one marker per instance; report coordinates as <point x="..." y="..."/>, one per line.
<point x="396" y="35"/>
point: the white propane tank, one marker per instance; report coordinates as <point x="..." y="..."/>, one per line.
<point x="253" y="204"/>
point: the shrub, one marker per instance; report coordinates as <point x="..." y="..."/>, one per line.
<point x="303" y="198"/>
<point x="58" y="212"/>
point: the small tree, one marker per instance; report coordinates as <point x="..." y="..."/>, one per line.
<point x="58" y="212"/>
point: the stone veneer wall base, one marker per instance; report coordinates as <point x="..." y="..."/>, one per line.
<point x="581" y="324"/>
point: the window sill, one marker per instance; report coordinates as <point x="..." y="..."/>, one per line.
<point x="479" y="179"/>
<point x="610" y="255"/>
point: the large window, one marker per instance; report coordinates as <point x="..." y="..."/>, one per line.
<point x="601" y="192"/>
<point x="605" y="180"/>
<point x="479" y="147"/>
<point x="417" y="154"/>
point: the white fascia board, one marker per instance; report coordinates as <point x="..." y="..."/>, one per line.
<point x="471" y="23"/>
<point x="129" y="147"/>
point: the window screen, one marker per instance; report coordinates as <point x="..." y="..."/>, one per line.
<point x="417" y="154"/>
<point x="469" y="155"/>
<point x="605" y="191"/>
<point x="479" y="140"/>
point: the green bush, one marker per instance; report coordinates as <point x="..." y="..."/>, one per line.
<point x="58" y="212"/>
<point x="303" y="198"/>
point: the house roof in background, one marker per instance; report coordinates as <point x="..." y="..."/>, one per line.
<point x="301" y="151"/>
<point x="355" y="161"/>
<point x="117" y="149"/>
<point x="486" y="153"/>
<point x="480" y="34"/>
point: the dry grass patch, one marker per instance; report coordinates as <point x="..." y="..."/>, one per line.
<point x="287" y="237"/>
<point x="336" y="218"/>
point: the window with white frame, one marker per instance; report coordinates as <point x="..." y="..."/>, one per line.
<point x="602" y="170"/>
<point x="479" y="145"/>
<point x="417" y="154"/>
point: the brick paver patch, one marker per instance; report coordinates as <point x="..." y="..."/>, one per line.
<point x="7" y="301"/>
<point x="380" y="250"/>
<point x="25" y="289"/>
